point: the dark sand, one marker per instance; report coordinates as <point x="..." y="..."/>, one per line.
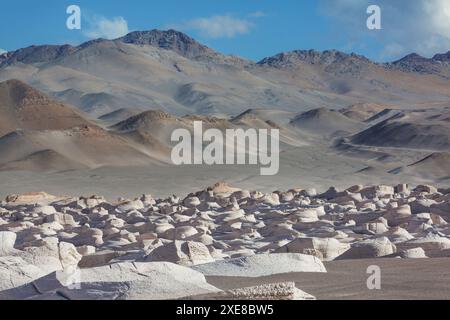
<point x="400" y="279"/>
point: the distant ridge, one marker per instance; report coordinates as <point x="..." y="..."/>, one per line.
<point x="173" y="40"/>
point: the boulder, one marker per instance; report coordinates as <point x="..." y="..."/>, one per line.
<point x="61" y="218"/>
<point x="434" y="245"/>
<point x="51" y="255"/>
<point x="130" y="205"/>
<point x="262" y="265"/>
<point x="371" y="228"/>
<point x="272" y="291"/>
<point x="414" y="253"/>
<point x="328" y="247"/>
<point x="377" y="192"/>
<point x="425" y="189"/>
<point x="7" y="241"/>
<point x="370" y="248"/>
<point x="399" y="215"/>
<point x="121" y="281"/>
<point x="15" y="272"/>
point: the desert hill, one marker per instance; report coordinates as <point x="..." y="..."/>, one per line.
<point x="24" y="107"/>
<point x="326" y="122"/>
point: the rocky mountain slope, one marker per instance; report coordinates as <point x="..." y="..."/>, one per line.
<point x="169" y="70"/>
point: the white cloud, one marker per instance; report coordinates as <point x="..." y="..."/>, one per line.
<point x="217" y="26"/>
<point x="408" y="25"/>
<point x="101" y="27"/>
<point x="2" y="51"/>
<point x="257" y="14"/>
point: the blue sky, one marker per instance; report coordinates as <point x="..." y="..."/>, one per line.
<point x="250" y="28"/>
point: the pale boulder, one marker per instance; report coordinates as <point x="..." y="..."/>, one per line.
<point x="121" y="281"/>
<point x="262" y="265"/>
<point x="328" y="247"/>
<point x="272" y="291"/>
<point x="371" y="248"/>
<point x="414" y="253"/>
<point x="7" y="241"/>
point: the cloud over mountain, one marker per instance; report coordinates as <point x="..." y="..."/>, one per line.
<point x="408" y="25"/>
<point x="218" y="26"/>
<point x="102" y="27"/>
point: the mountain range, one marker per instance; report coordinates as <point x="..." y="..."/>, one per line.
<point x="170" y="71"/>
<point x="116" y="102"/>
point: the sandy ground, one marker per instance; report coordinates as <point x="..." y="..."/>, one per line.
<point x="346" y="280"/>
<point x="308" y="167"/>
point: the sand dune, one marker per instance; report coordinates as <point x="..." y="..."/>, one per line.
<point x="403" y="134"/>
<point x="119" y="115"/>
<point x="43" y="161"/>
<point x="362" y="111"/>
<point x="326" y="122"/>
<point x="433" y="167"/>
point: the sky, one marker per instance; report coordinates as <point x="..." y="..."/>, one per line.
<point x="253" y="29"/>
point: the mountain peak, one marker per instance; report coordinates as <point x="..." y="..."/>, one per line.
<point x="412" y="57"/>
<point x="169" y="40"/>
<point x="37" y="54"/>
<point x="332" y="61"/>
<point x="442" y="57"/>
<point x="416" y="63"/>
<point x="326" y="57"/>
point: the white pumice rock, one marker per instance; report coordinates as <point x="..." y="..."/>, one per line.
<point x="273" y="291"/>
<point x="371" y="228"/>
<point x="61" y="218"/>
<point x="121" y="281"/>
<point x="223" y="223"/>
<point x="185" y="232"/>
<point x="402" y="188"/>
<point x="271" y="199"/>
<point x="434" y="245"/>
<point x="15" y="272"/>
<point x="399" y="215"/>
<point x="88" y="236"/>
<point x="425" y="189"/>
<point x="438" y="220"/>
<point x="414" y="253"/>
<point x="262" y="265"/>
<point x="328" y="247"/>
<point x="44" y="210"/>
<point x="51" y="255"/>
<point x="7" y="241"/>
<point x="398" y="235"/>
<point x="307" y="215"/>
<point x="370" y="248"/>
<point x="191" y="202"/>
<point x="130" y="205"/>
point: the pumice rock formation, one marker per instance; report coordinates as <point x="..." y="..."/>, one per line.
<point x="150" y="248"/>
